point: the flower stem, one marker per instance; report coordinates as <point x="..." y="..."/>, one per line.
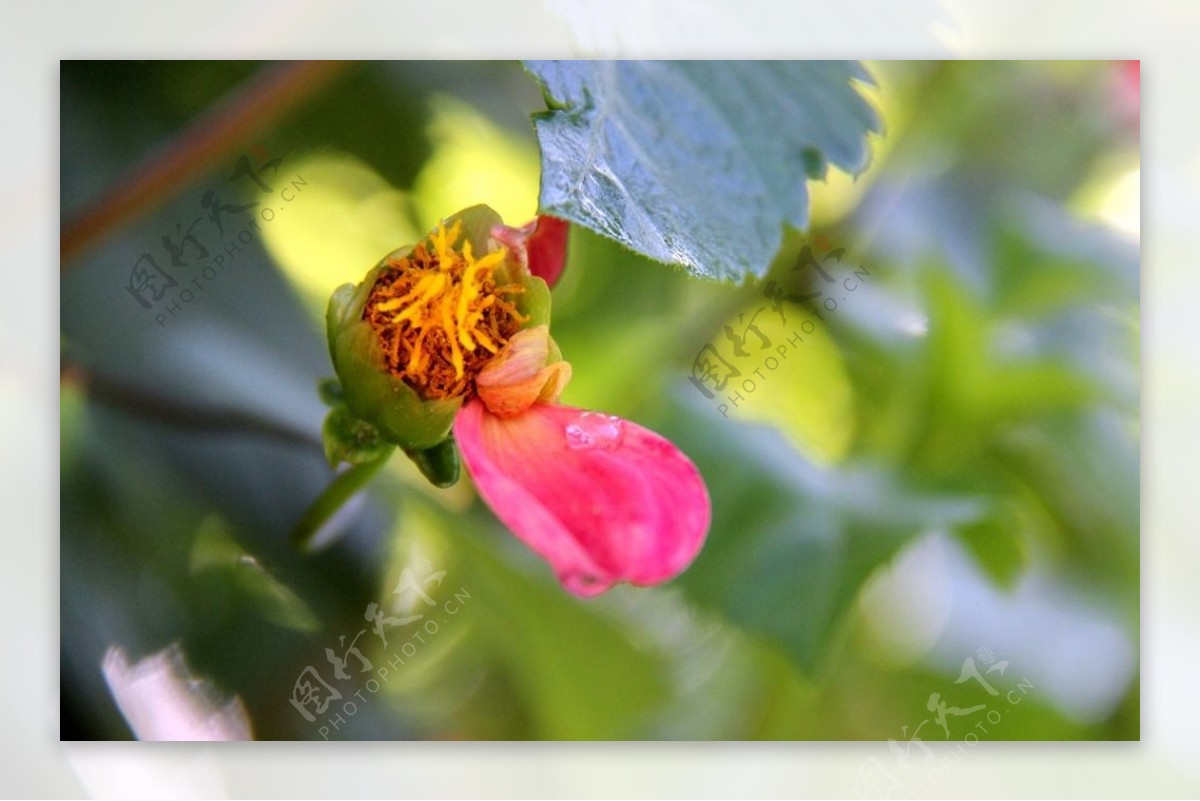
<point x="315" y="523"/>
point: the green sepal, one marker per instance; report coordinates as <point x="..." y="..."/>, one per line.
<point x="477" y="223"/>
<point x="349" y="439"/>
<point x="369" y="390"/>
<point x="534" y="302"/>
<point x="439" y="464"/>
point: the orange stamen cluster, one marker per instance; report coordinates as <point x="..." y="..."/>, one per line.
<point x="439" y="315"/>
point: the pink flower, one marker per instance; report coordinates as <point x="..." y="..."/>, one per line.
<point x="603" y="500"/>
<point x="452" y="334"/>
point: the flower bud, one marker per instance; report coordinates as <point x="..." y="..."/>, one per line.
<point x="408" y="342"/>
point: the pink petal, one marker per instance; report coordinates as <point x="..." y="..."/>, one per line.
<point x="541" y="245"/>
<point x="602" y="499"/>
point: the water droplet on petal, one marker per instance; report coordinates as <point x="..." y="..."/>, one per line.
<point x="595" y="430"/>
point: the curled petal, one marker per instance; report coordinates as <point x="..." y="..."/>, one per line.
<point x="520" y="375"/>
<point x="602" y="499"/>
<point x="541" y="245"/>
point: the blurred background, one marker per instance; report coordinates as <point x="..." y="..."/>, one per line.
<point x="925" y="515"/>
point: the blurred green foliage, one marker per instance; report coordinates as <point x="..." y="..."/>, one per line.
<point x="975" y="395"/>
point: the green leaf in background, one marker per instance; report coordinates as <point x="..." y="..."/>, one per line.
<point x="700" y="164"/>
<point x="216" y="554"/>
<point x="798" y="377"/>
<point x="791" y="544"/>
<point x="997" y="544"/>
<point x="578" y="673"/>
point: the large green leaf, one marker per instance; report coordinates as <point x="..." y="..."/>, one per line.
<point x="700" y="164"/>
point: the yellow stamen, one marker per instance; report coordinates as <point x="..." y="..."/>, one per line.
<point x="439" y="314"/>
